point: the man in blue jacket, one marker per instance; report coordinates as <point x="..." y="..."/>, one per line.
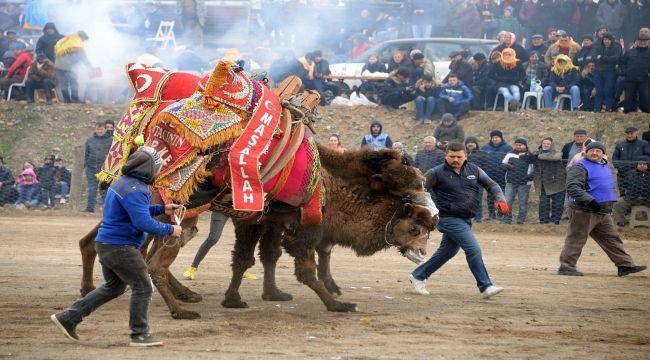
<point x="456" y="184"/>
<point x="454" y="98"/>
<point x="128" y="217"/>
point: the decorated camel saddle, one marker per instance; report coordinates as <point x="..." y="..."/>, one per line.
<point x="226" y="131"/>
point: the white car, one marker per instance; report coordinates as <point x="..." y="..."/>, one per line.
<point x="435" y="49"/>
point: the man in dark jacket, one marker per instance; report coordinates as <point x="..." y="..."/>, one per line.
<point x="627" y="152"/>
<point x="564" y="79"/>
<point x="549" y="180"/>
<point x="42" y="75"/>
<point x="635" y="64"/>
<point x="570" y="149"/>
<point x="479" y="81"/>
<point x="454" y="98"/>
<point x="456" y="184"/>
<point x="45" y="43"/>
<point x="637" y="190"/>
<point x="519" y="177"/>
<point x="396" y="90"/>
<point x="496" y="149"/>
<point x="97" y="147"/>
<point x="8" y="193"/>
<point x="590" y="186"/>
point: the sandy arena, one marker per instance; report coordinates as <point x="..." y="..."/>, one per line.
<point x="540" y="315"/>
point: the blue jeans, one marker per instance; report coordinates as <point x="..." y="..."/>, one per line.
<point x="549" y="93"/>
<point x="605" y="82"/>
<point x="424" y="107"/>
<point x="121" y="266"/>
<point x="521" y="192"/>
<point x="456" y="234"/>
<point x="28" y="194"/>
<point x="421" y="30"/>
<point x="93" y="184"/>
<point x="509" y="93"/>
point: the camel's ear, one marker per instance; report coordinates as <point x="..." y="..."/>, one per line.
<point x="408" y="209"/>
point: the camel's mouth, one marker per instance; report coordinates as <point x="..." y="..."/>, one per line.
<point x="415" y="255"/>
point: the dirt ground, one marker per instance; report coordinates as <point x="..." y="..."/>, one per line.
<point x="540" y="315"/>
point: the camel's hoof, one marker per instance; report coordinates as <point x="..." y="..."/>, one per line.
<point x="277" y="296"/>
<point x="189" y="297"/>
<point x="344" y="307"/>
<point x="185" y="315"/>
<point x="85" y="292"/>
<point x="333" y="289"/>
<point x="234" y="304"/>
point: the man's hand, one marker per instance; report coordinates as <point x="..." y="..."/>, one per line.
<point x="452" y="100"/>
<point x="595" y="206"/>
<point x="170" y="209"/>
<point x="502" y="206"/>
<point x="178" y="231"/>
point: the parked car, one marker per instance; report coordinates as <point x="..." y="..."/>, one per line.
<point x="435" y="49"/>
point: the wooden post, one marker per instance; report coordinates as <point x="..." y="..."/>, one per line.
<point x="77" y="182"/>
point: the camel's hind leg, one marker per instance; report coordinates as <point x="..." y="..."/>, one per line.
<point x="88" y="254"/>
<point x="302" y="249"/>
<point x="243" y="257"/>
<point x="324" y="270"/>
<point x="270" y="252"/>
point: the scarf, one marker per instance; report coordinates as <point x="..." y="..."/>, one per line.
<point x="508" y="59"/>
<point x="308" y="67"/>
<point x="561" y="69"/>
<point x="68" y="45"/>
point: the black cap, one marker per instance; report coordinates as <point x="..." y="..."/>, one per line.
<point x="631" y="129"/>
<point x="537" y="36"/>
<point x="596" y="145"/>
<point x="479" y="56"/>
<point x="496" y="133"/>
<point x="580" y="132"/>
<point x="454" y="53"/>
<point x="521" y="140"/>
<point x="587" y="36"/>
<point x="643" y="37"/>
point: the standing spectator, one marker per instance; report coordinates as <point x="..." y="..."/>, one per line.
<point x="376" y="139"/>
<point x="461" y="68"/>
<point x="96" y="149"/>
<point x="607" y="57"/>
<point x="479" y="81"/>
<point x="489" y="11"/>
<point x="611" y="13"/>
<point x="448" y="131"/>
<point x="507" y="76"/>
<point x="425" y="99"/>
<point x="28" y="188"/>
<point x="429" y="156"/>
<point x="420" y="66"/>
<point x="587" y="86"/>
<point x="398" y="60"/>
<point x="496" y="149"/>
<point x="479" y="157"/>
<point x="509" y="41"/>
<point x="372" y="67"/>
<point x="69" y="54"/>
<point x="637" y="190"/>
<point x="469" y="20"/>
<point x="509" y="23"/>
<point x="587" y="53"/>
<point x="529" y="18"/>
<point x="396" y="90"/>
<point x="334" y="143"/>
<point x="519" y="176"/>
<point x="646" y="134"/>
<point x="127" y="218"/>
<point x="152" y="19"/>
<point x="455" y="184"/>
<point x="626" y="153"/>
<point x="110" y="127"/>
<point x="42" y="75"/>
<point x="587" y="23"/>
<point x="564" y="45"/>
<point x="307" y="74"/>
<point x="638" y="13"/>
<point x="18" y="69"/>
<point x="537" y="45"/>
<point x="635" y="65"/>
<point x="191" y="18"/>
<point x="322" y="84"/>
<point x="45" y="43"/>
<point x="45" y="175"/>
<point x="10" y="17"/>
<point x="420" y="16"/>
<point x="590" y="186"/>
<point x="285" y="65"/>
<point x="571" y="149"/>
<point x="61" y="181"/>
<point x="454" y="98"/>
<point x="549" y="180"/>
<point x="564" y="79"/>
<point x="7" y="190"/>
<point x="6" y="52"/>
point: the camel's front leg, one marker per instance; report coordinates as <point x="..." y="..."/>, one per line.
<point x="270" y="252"/>
<point x="243" y="257"/>
<point x="88" y="254"/>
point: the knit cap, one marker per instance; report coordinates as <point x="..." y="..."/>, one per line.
<point x="496" y="133"/>
<point x="596" y="145"/>
<point x="521" y="140"/>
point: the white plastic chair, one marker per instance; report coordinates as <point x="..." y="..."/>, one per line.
<point x="532" y="95"/>
<point x="560" y="101"/>
<point x="164" y="35"/>
<point x="20" y="84"/>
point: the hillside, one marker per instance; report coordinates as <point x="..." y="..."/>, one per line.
<point x="32" y="132"/>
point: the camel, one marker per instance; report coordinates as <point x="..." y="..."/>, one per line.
<point x="374" y="174"/>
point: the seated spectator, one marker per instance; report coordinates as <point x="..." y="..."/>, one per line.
<point x="537" y="44"/>
<point x="334" y="143"/>
<point x="7" y="191"/>
<point x="28" y="189"/>
<point x="508" y="40"/>
<point x="564" y="45"/>
<point x="45" y="175"/>
<point x="587" y="86"/>
<point x="461" y="68"/>
<point x="61" y="181"/>
<point x="507" y="76"/>
<point x="284" y="66"/>
<point x="321" y="83"/>
<point x="372" y="67"/>
<point x="395" y="90"/>
<point x="637" y="190"/>
<point x="376" y="139"/>
<point x="425" y="99"/>
<point x="42" y="75"/>
<point x="402" y="149"/>
<point x="479" y="82"/>
<point x="448" y="131"/>
<point x="564" y="79"/>
<point x="535" y="70"/>
<point x="307" y="74"/>
<point x="421" y="62"/>
<point x="398" y="60"/>
<point x="454" y="98"/>
<point x="16" y="73"/>
<point x="6" y="52"/>
<point x="519" y="177"/>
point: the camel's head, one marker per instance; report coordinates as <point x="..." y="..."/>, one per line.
<point x="410" y="231"/>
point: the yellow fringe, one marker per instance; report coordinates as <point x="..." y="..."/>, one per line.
<point x="194" y="140"/>
<point x="191" y="185"/>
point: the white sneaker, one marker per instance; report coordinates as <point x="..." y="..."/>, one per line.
<point x="419" y="285"/>
<point x="491" y="291"/>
